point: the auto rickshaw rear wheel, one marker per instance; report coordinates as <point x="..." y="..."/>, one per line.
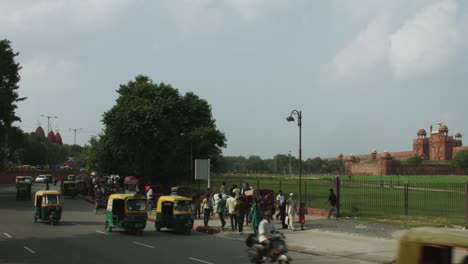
<point x="108" y="227"/>
<point x="52" y="221"/>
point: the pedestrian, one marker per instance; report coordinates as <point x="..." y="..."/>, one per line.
<point x="231" y="205"/>
<point x="221" y="208"/>
<point x="236" y="191"/>
<point x="222" y="190"/>
<point x="332" y="200"/>
<point x="196" y="204"/>
<point x="302" y="213"/>
<point x="149" y="198"/>
<point x="255" y="215"/>
<point x="291" y="210"/>
<point x="207" y="207"/>
<point x="281" y="200"/>
<point x="241" y="210"/>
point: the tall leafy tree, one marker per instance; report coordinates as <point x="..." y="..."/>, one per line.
<point x="460" y="161"/>
<point x="153" y="130"/>
<point x="9" y="78"/>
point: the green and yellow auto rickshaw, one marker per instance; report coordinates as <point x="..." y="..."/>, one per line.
<point x="433" y="245"/>
<point x="23" y="188"/>
<point x="48" y="206"/>
<point x="174" y="212"/>
<point x="69" y="188"/>
<point x="126" y="211"/>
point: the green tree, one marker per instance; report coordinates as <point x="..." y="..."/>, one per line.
<point x="9" y="78"/>
<point x="415" y="160"/>
<point x="460" y="161"/>
<point x="152" y="131"/>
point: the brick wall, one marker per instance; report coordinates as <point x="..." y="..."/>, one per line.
<point x="433" y="169"/>
<point x="365" y="169"/>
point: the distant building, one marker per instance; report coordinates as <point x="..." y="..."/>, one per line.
<point x="438" y="146"/>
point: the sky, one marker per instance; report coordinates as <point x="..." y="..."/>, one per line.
<point x="365" y="74"/>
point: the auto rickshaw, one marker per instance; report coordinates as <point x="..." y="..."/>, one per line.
<point x="184" y="191"/>
<point x="174" y="212"/>
<point x="126" y="211"/>
<point x="433" y="245"/>
<point x="23" y="188"/>
<point x="48" y="206"/>
<point x="69" y="188"/>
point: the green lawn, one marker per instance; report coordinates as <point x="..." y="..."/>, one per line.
<point x="367" y="196"/>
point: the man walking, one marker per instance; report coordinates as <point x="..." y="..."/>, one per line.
<point x="221" y="209"/>
<point x="291" y="210"/>
<point x="280" y="200"/>
<point x="332" y="200"/>
<point x="231" y="205"/>
<point x="207" y="207"/>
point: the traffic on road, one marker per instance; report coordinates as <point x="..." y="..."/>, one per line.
<point x="80" y="237"/>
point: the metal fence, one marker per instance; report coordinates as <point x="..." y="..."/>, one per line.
<point x="384" y="198"/>
<point x="357" y="197"/>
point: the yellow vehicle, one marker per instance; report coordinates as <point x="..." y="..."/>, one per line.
<point x="433" y="245"/>
<point x="174" y="212"/>
<point x="48" y="206"/>
<point x="126" y="211"/>
<point x="23" y="188"/>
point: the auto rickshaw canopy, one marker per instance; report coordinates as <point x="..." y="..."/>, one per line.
<point x="20" y="178"/>
<point x="413" y="242"/>
<point x="174" y="200"/>
<point x="124" y="197"/>
<point x="46" y="193"/>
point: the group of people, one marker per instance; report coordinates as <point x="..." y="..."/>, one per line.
<point x="242" y="209"/>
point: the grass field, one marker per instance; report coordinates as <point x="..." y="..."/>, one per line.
<point x="399" y="197"/>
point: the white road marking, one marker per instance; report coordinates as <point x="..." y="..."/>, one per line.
<point x="30" y="250"/>
<point x="148" y="246"/>
<point x="7" y="235"/>
<point x="101" y="232"/>
<point x="201" y="261"/>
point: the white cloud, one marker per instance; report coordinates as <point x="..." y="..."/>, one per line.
<point x="46" y="76"/>
<point x="194" y="15"/>
<point x="426" y="42"/>
<point x="251" y="9"/>
<point x="247" y="9"/>
<point x="358" y="11"/>
<point x="368" y="49"/>
<point x="39" y="15"/>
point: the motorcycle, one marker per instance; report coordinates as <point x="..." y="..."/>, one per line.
<point x="275" y="254"/>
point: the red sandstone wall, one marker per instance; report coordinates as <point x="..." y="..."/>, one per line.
<point x="365" y="169"/>
<point x="402" y="155"/>
<point x="438" y="169"/>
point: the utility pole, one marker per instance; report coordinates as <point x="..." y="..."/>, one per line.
<point x="47" y="134"/>
<point x="48" y="122"/>
<point x="74" y="130"/>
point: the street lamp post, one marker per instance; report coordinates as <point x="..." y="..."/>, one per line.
<point x="290" y="118"/>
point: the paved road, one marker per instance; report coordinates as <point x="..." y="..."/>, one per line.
<point x="80" y="238"/>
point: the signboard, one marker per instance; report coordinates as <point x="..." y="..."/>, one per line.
<point x="202" y="169"/>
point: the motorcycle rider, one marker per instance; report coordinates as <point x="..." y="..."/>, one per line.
<point x="266" y="229"/>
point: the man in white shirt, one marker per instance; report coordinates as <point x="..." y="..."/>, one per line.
<point x="266" y="229"/>
<point x="231" y="204"/>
